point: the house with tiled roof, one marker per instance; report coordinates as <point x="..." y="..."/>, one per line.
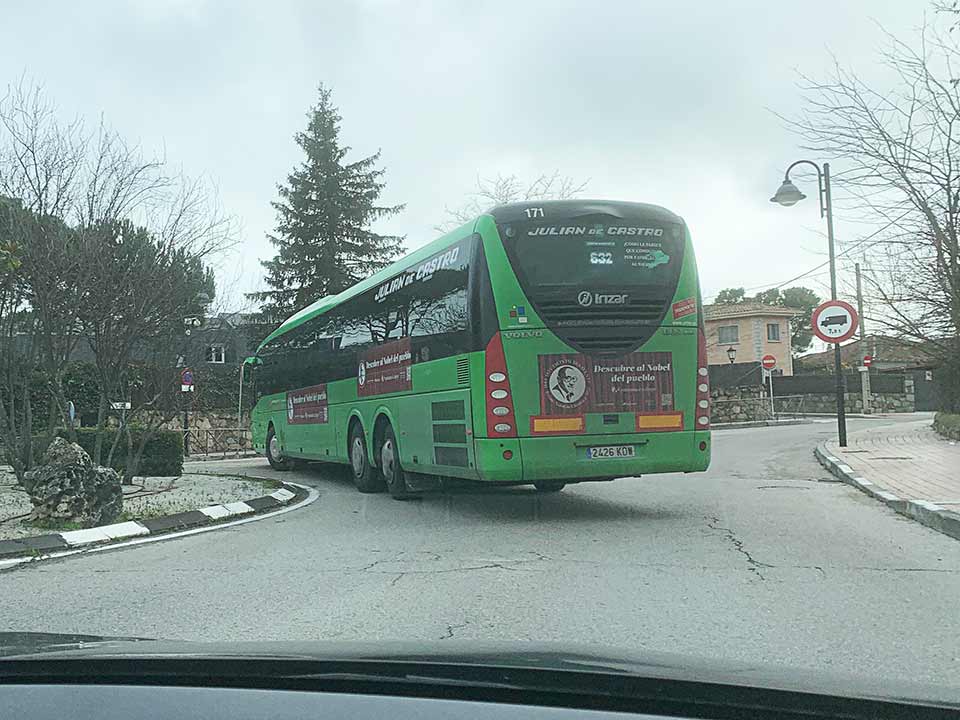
<point x="746" y="331"/>
<point x="889" y="354"/>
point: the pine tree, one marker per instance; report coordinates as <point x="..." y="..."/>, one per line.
<point x="324" y="215"/>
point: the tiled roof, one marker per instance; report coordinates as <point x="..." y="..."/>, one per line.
<point x="887" y="351"/>
<point x="746" y="309"/>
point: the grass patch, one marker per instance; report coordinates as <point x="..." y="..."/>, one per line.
<point x="947" y="425"/>
<point x="265" y="482"/>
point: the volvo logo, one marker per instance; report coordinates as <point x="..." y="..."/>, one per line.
<point x="587" y="298"/>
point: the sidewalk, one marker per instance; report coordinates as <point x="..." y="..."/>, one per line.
<point x="907" y="466"/>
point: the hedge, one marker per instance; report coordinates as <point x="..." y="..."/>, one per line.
<point x="947" y="425"/>
<point x="162" y="455"/>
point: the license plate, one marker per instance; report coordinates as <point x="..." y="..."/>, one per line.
<point x="611" y="451"/>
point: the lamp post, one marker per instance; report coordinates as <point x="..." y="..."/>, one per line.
<point x="788" y="194"/>
<point x="731" y="354"/>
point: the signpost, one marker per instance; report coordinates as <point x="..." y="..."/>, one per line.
<point x="186" y="386"/>
<point x="833" y="322"/>
<point x="864" y="370"/>
<point x="768" y="363"/>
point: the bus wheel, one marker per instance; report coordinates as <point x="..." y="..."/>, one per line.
<point x="549" y="486"/>
<point x="364" y="476"/>
<point x="395" y="476"/>
<point x="275" y="453"/>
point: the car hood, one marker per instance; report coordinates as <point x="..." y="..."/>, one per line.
<point x="528" y="656"/>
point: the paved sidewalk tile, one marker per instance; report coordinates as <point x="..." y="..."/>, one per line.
<point x="909" y="460"/>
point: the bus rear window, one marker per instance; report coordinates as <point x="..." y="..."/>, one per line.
<point x="595" y="251"/>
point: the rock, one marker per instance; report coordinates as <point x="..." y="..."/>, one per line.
<point x="68" y="487"/>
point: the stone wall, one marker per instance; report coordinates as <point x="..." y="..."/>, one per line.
<point x="880" y="402"/>
<point x="214" y="431"/>
<point x="751" y="403"/>
<point x="853" y="403"/>
<point x="738" y="404"/>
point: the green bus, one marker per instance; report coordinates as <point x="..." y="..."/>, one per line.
<point x="544" y="343"/>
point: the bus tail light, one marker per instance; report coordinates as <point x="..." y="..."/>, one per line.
<point x="702" y="413"/>
<point x="501" y="419"/>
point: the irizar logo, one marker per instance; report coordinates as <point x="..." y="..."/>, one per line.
<point x="588" y="299"/>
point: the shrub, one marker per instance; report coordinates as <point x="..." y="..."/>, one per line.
<point x="162" y="455"/>
<point x="947" y="425"/>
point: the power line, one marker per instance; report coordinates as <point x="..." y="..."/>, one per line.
<point x="853" y="247"/>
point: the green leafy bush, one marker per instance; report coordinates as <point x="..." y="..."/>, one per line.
<point x="162" y="455"/>
<point x="947" y="425"/>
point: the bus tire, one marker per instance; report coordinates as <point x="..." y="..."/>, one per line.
<point x="364" y="476"/>
<point x="549" y="486"/>
<point x="274" y="454"/>
<point x="394" y="475"/>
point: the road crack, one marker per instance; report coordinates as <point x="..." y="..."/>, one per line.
<point x="754" y="565"/>
<point x="451" y="628"/>
<point x="508" y="565"/>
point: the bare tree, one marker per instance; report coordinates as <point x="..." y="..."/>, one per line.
<point x="16" y="343"/>
<point x="505" y="189"/>
<point x="899" y="148"/>
<point x="112" y="236"/>
<point x="68" y="180"/>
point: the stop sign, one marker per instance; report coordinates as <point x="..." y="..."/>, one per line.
<point x="769" y="362"/>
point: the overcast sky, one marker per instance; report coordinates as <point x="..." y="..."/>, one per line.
<point x="660" y="102"/>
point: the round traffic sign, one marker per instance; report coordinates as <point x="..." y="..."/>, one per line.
<point x="834" y="321"/>
<point x="867" y="360"/>
<point x="769" y="362"/>
<point x="186" y="377"/>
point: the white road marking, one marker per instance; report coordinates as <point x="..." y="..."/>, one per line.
<point x="238" y="508"/>
<point x="82" y="537"/>
<point x="312" y="496"/>
<point x="124" y="529"/>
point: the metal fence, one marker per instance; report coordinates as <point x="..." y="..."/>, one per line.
<point x="748" y="409"/>
<point x="788" y="406"/>
<point x="225" y="442"/>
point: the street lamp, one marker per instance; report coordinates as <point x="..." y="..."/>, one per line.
<point x="731" y="354"/>
<point x="787" y="195"/>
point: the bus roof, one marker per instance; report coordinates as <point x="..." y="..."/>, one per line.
<point x="574" y="208"/>
<point x="500" y="213"/>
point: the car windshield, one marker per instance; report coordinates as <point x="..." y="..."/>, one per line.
<point x="622" y="325"/>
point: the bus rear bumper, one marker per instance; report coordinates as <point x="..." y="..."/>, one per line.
<point x="567" y="457"/>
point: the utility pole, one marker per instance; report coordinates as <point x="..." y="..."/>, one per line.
<point x="864" y="370"/>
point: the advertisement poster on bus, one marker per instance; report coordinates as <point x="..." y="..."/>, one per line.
<point x="308" y="405"/>
<point x="573" y="384"/>
<point x="385" y="369"/>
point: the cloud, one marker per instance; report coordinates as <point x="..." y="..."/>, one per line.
<point x="652" y="101"/>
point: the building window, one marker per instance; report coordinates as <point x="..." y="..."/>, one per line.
<point x="216" y="354"/>
<point x="773" y="332"/>
<point x="729" y="334"/>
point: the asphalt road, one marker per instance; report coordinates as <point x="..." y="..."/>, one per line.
<point x="755" y="560"/>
